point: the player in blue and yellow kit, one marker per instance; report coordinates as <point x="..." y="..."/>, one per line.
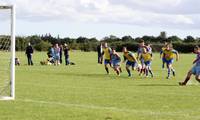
<point x="161" y="55"/>
<point x="131" y="60"/>
<point x="147" y="57"/>
<point x="139" y="52"/>
<point x="107" y="56"/>
<point x="168" y="55"/>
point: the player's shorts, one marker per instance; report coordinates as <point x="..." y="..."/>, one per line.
<point x="106" y="62"/>
<point x="170" y="61"/>
<point x="196" y="70"/>
<point x="147" y="63"/>
<point x="132" y="64"/>
<point x="163" y="59"/>
<point x="116" y="63"/>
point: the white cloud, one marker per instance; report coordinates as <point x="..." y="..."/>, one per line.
<point x="167" y="13"/>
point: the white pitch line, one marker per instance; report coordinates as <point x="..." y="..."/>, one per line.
<point x="102" y="108"/>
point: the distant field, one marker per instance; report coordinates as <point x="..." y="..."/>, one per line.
<point x="85" y="92"/>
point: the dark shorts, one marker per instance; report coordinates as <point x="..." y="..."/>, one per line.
<point x="106" y="62"/>
<point x="132" y="64"/>
<point x="147" y="63"/>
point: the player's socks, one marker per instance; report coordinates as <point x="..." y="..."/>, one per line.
<point x="151" y="72"/>
<point x="107" y="70"/>
<point x="173" y="72"/>
<point x="168" y="73"/>
<point x="129" y="73"/>
<point x="163" y="66"/>
<point x="147" y="72"/>
<point x="118" y="72"/>
<point x="120" y="69"/>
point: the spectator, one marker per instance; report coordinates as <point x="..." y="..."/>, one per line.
<point x="50" y="52"/>
<point x="61" y="52"/>
<point x="29" y="53"/>
<point x="99" y="52"/>
<point x="57" y="54"/>
<point x="66" y="53"/>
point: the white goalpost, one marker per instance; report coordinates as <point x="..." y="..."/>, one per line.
<point x="7" y="52"/>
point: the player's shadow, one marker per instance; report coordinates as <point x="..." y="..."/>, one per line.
<point x="158" y="85"/>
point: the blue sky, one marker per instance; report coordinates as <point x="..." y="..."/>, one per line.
<point x="100" y="18"/>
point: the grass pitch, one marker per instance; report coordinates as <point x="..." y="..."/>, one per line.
<point x="85" y="92"/>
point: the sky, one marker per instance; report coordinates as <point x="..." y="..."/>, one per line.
<point x="100" y="18"/>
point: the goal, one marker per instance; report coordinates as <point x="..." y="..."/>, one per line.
<point x="7" y="52"/>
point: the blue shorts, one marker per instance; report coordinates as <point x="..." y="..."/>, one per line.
<point x="116" y="63"/>
<point x="168" y="61"/>
<point x="106" y="62"/>
<point x="132" y="64"/>
<point x="147" y="63"/>
<point x="163" y="60"/>
<point x="196" y="70"/>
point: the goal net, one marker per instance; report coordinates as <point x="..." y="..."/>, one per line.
<point x="7" y="52"/>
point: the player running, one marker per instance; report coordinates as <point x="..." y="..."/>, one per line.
<point x="147" y="57"/>
<point x="139" y="52"/>
<point x="161" y="55"/>
<point x="168" y="55"/>
<point x="115" y="60"/>
<point x="107" y="56"/>
<point x="130" y="59"/>
<point x="195" y="69"/>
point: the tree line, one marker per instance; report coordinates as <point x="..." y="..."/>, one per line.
<point x="42" y="43"/>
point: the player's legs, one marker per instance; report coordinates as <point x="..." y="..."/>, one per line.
<point x="128" y="70"/>
<point x="150" y="71"/>
<point x="106" y="63"/>
<point x="116" y="66"/>
<point x="120" y="69"/>
<point x="143" y="69"/>
<point x="169" y="68"/>
<point x="163" y="63"/>
<point x="106" y="68"/>
<point x="189" y="74"/>
<point x="128" y="64"/>
<point x="148" y="65"/>
<point x="133" y="65"/>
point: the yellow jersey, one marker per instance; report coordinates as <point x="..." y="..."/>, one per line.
<point x="107" y="52"/>
<point x="163" y="48"/>
<point x="146" y="57"/>
<point x="129" y="56"/>
<point x="169" y="54"/>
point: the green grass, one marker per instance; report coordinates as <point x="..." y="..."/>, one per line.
<point x="85" y="92"/>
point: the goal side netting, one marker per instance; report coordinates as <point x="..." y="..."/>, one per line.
<point x="7" y="52"/>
